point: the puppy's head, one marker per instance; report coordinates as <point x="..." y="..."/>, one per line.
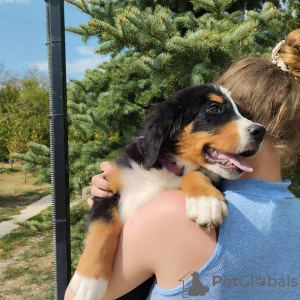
<point x="201" y="127"/>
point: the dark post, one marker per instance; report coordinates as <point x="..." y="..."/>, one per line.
<point x="59" y="145"/>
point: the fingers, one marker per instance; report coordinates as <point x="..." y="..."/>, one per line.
<point x="95" y="191"/>
<point x="106" y="167"/>
<point x="101" y="187"/>
<point x="101" y="182"/>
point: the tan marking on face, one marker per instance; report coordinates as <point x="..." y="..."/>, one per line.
<point x="195" y="184"/>
<point x="227" y="139"/>
<point x="190" y="145"/>
<point x="101" y="244"/>
<point x="115" y="179"/>
<point x="216" y="98"/>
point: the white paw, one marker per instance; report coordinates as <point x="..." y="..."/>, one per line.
<point x="87" y="288"/>
<point x="207" y="212"/>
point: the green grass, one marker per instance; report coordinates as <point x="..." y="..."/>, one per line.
<point x="12" y="241"/>
<point x="13" y="291"/>
<point x="9" y="171"/>
<point x="12" y="205"/>
<point x="15" y="272"/>
<point x="7" y="214"/>
<point x="36" y="252"/>
<point x="29" y="261"/>
<point x="27" y="255"/>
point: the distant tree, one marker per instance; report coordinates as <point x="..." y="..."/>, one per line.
<point x="8" y="76"/>
<point x="24" y="113"/>
<point x="8" y="94"/>
<point x="292" y="15"/>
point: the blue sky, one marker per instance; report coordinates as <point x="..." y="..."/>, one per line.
<point x="23" y="38"/>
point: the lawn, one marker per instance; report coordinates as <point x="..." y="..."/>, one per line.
<point x="26" y="254"/>
<point x="26" y="259"/>
<point x="15" y="195"/>
<point x="26" y="265"/>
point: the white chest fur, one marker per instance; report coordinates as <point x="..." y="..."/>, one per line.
<point x="141" y="186"/>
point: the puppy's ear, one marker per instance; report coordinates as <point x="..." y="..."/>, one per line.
<point x="158" y="127"/>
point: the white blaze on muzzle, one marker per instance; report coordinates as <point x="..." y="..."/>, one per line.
<point x="243" y="125"/>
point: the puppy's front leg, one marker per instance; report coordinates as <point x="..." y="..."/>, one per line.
<point x="95" y="265"/>
<point x="205" y="204"/>
<point x="94" y="268"/>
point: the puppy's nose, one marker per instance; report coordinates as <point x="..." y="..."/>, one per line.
<point x="257" y="132"/>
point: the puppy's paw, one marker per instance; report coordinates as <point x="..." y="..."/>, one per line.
<point x="87" y="288"/>
<point x="207" y="212"/>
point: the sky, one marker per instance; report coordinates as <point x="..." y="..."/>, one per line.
<point x="23" y="38"/>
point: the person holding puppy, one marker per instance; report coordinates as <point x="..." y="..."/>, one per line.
<point x="254" y="254"/>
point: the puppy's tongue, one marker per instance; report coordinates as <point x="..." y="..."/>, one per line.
<point x="236" y="160"/>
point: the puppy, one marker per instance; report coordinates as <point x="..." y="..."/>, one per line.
<point x="188" y="143"/>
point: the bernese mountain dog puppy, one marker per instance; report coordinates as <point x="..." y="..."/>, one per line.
<point x="189" y="142"/>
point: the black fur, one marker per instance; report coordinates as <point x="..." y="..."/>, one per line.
<point x="102" y="208"/>
<point x="157" y="130"/>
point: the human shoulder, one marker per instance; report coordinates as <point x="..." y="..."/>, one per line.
<point x="158" y="213"/>
<point x="168" y="204"/>
<point x="169" y="236"/>
<point x="162" y="218"/>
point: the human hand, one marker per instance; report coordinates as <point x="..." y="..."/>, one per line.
<point x="101" y="187"/>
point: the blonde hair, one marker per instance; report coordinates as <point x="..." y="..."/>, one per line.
<point x="290" y="52"/>
<point x="270" y="96"/>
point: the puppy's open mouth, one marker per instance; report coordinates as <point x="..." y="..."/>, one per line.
<point x="232" y="162"/>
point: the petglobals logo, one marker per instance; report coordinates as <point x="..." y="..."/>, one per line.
<point x="255" y="281"/>
<point x="257" y="284"/>
<point x="194" y="287"/>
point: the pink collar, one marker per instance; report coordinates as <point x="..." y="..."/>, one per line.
<point x="170" y="166"/>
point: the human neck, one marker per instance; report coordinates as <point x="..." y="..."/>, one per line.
<point x="265" y="164"/>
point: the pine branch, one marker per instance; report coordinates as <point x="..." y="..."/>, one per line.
<point x="81" y="4"/>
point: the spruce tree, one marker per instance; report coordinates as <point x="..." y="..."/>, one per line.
<point x="155" y="50"/>
<point x="292" y="17"/>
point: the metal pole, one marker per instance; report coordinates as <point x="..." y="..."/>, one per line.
<point x="59" y="146"/>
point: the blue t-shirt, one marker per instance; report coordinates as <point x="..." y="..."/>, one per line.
<point x="258" y="251"/>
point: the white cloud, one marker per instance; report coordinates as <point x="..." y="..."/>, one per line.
<point x="82" y="64"/>
<point x="42" y="65"/>
<point x="85" y="50"/>
<point x="91" y="61"/>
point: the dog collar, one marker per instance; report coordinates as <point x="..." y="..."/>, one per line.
<point x="170" y="166"/>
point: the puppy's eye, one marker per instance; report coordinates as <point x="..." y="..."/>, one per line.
<point x="215" y="109"/>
